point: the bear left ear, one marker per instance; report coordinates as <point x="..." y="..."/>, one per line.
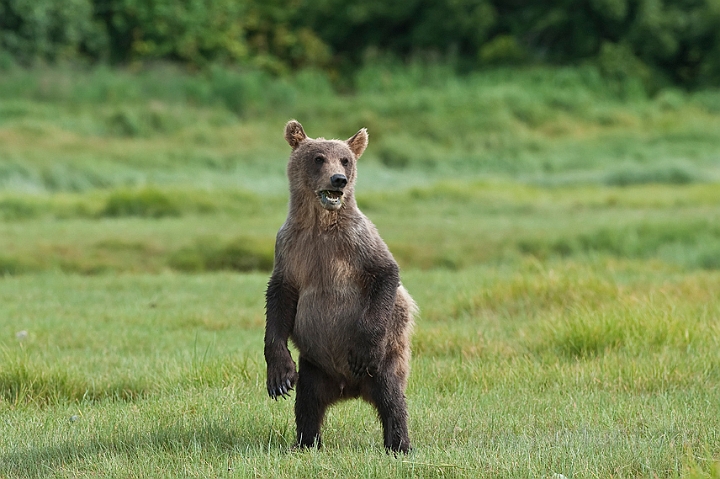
<point x="358" y="143"/>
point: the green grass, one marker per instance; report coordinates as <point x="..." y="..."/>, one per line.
<point x="160" y="229"/>
<point x="75" y="131"/>
<point x="559" y="234"/>
<point x="507" y="377"/>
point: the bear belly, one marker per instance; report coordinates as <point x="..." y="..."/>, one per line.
<point x="324" y="325"/>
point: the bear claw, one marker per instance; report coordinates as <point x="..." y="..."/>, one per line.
<point x="280" y="384"/>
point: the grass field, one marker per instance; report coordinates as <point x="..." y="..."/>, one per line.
<point x="560" y="233"/>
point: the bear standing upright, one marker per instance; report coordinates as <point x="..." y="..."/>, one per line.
<point x="335" y="292"/>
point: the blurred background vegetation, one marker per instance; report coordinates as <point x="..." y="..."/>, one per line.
<point x="145" y="135"/>
<point x="662" y="42"/>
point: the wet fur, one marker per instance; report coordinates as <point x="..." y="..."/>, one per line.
<point x="335" y="292"/>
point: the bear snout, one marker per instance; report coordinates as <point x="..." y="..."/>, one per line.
<point x="338" y="181"/>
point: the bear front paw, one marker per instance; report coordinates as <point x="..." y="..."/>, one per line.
<point x="281" y="379"/>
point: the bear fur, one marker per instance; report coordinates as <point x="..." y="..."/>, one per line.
<point x="335" y="292"/>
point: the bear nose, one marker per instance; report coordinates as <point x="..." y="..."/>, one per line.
<point x="338" y="181"/>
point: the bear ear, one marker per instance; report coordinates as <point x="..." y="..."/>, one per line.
<point x="294" y="133"/>
<point x="359" y="142"/>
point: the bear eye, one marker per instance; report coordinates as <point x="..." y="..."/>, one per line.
<point x="319" y="160"/>
<point x="344" y="161"/>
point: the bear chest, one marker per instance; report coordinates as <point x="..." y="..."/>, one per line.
<point x="323" y="262"/>
<point x="330" y="299"/>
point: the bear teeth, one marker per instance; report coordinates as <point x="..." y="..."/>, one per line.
<point x="331" y="194"/>
<point x="331" y="198"/>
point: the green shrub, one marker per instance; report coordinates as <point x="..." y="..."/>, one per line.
<point x="393" y="156"/>
<point x="50" y="30"/>
<point x="16" y="209"/>
<point x="13" y="266"/>
<point x="190" y="31"/>
<point x="708" y="100"/>
<point x="502" y="50"/>
<point x="640" y="45"/>
<point x="263" y="34"/>
<point x="209" y="254"/>
<point x="147" y="202"/>
<point x="708" y="256"/>
<point x="627" y="74"/>
<point x="673" y="174"/>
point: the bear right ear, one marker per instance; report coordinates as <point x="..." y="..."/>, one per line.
<point x="294" y="133"/>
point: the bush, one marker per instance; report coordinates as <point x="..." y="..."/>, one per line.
<point x="16" y="209"/>
<point x="50" y="30"/>
<point x="241" y="254"/>
<point x="190" y="31"/>
<point x="147" y="202"/>
<point x="654" y="42"/>
<point x="662" y="174"/>
<point x="10" y="266"/>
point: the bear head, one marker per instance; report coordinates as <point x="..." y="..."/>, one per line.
<point x="324" y="169"/>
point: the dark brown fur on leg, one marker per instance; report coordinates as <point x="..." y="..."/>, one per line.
<point x="389" y="399"/>
<point x="315" y="392"/>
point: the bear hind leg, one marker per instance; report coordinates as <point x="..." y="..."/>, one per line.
<point x="315" y="391"/>
<point x="388" y="396"/>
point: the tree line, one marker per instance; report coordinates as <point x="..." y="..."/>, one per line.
<point x="658" y="41"/>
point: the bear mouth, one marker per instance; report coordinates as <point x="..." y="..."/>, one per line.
<point x="330" y="199"/>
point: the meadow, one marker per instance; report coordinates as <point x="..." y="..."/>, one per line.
<point x="560" y="232"/>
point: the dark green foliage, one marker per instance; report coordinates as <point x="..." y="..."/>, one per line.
<point x="11" y="266"/>
<point x="655" y="42"/>
<point x="662" y="174"/>
<point x="393" y="156"/>
<point x="50" y="30"/>
<point x="209" y="254"/>
<point x="709" y="258"/>
<point x="677" y="38"/>
<point x="190" y="31"/>
<point x="445" y="26"/>
<point x="148" y="202"/>
<point x="16" y="209"/>
<point x="198" y="32"/>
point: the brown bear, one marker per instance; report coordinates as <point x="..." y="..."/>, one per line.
<point x="335" y="292"/>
